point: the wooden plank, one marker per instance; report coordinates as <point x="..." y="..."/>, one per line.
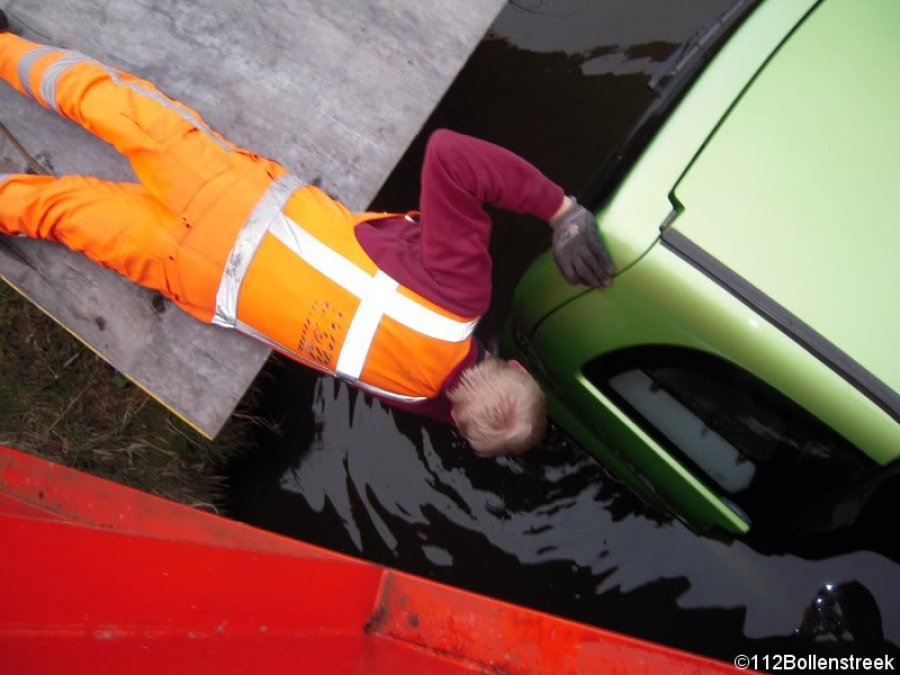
<point x="144" y="337"/>
<point x="335" y="91"/>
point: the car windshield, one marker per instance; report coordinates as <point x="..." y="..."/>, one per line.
<point x="668" y="83"/>
<point x="747" y="442"/>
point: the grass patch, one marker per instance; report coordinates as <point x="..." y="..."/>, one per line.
<point x="61" y="401"/>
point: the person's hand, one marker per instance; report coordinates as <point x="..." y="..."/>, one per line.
<point x="577" y="248"/>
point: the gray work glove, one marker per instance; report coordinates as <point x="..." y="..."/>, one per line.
<point x="577" y="248"/>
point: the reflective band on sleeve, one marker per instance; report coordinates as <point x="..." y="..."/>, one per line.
<point x="27" y="63"/>
<point x="266" y="210"/>
<point x="364" y="326"/>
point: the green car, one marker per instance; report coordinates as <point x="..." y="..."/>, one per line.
<point x="741" y="371"/>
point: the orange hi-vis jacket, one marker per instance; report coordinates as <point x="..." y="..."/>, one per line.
<point x="229" y="236"/>
<point x="298" y="279"/>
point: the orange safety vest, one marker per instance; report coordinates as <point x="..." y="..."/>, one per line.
<point x="297" y="279"/>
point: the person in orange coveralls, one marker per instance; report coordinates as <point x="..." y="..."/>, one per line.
<point x="387" y="302"/>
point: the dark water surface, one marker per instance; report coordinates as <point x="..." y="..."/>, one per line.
<point x="561" y="83"/>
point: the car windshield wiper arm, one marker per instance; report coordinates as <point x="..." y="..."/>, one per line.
<point x="694" y="45"/>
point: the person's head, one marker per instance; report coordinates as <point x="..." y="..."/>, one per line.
<point x="498" y="408"/>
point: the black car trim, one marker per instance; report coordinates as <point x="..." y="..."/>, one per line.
<point x="669" y="84"/>
<point x="791" y="325"/>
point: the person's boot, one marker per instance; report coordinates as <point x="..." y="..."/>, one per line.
<point x="4" y="22"/>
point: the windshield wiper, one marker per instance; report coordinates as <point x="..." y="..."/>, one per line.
<point x="695" y="45"/>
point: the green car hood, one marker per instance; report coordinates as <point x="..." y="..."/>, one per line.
<point x="795" y="191"/>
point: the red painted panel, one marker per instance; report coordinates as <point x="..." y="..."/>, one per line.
<point x="87" y="600"/>
<point x="16" y="507"/>
<point x="323" y="655"/>
<point x="137" y="584"/>
<point x="80" y="581"/>
<point x="94" y="501"/>
<point x="513" y="639"/>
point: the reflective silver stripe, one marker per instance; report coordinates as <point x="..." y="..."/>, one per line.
<point x="4" y="176"/>
<point x="54" y="70"/>
<point x="250" y="330"/>
<point x="70" y="58"/>
<point x="320" y="257"/>
<point x="378" y="297"/>
<point x="378" y="294"/>
<point x="364" y="326"/>
<point x="350" y="277"/>
<point x="265" y="339"/>
<point x="389" y="394"/>
<point x="185" y="114"/>
<point x="427" y="322"/>
<point x="266" y="210"/>
<point x="27" y="63"/>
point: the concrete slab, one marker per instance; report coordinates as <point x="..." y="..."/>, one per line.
<point x="335" y="91"/>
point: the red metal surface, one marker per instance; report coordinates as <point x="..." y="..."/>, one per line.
<point x="511" y="639"/>
<point x="12" y="506"/>
<point x="86" y="499"/>
<point x="139" y="585"/>
<point x="96" y="601"/>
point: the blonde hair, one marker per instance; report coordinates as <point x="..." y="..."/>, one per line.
<point x="498" y="408"/>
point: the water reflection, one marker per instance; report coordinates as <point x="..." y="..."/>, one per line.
<point x="550" y="530"/>
<point x="578" y="26"/>
<point x="387" y="477"/>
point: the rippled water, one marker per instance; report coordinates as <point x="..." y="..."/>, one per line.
<point x="559" y="82"/>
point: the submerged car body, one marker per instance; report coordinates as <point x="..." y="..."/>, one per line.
<point x="740" y="371"/>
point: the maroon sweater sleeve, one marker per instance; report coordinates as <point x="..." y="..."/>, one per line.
<point x="460" y="175"/>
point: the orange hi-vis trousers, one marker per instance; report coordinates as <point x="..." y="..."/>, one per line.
<point x="173" y="231"/>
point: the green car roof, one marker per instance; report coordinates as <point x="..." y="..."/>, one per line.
<point x="796" y="190"/>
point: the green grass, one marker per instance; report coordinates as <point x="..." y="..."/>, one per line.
<point x="62" y="402"/>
